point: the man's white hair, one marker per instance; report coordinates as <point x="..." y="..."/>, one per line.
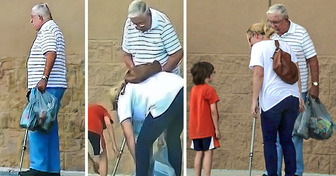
<point x="42" y="10"/>
<point x="278" y="9"/>
<point x="136" y="8"/>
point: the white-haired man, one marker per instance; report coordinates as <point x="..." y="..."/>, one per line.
<point x="299" y="40"/>
<point x="46" y="70"/>
<point x="148" y="36"/>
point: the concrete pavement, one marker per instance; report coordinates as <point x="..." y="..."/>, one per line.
<point x="223" y="172"/>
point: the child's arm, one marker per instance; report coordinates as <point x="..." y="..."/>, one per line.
<point x="214" y="115"/>
<point x="108" y="122"/>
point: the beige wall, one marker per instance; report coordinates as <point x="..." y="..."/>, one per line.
<point x="17" y="35"/>
<point x="106" y="69"/>
<point x="216" y="33"/>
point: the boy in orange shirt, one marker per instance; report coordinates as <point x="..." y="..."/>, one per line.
<point x="98" y="120"/>
<point x="203" y="122"/>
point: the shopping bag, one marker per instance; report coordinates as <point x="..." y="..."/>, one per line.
<point x="28" y="118"/>
<point x="162" y="166"/>
<point x="301" y="126"/>
<point x="321" y="126"/>
<point x="40" y="112"/>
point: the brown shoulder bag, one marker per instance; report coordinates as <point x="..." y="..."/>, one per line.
<point x="140" y="73"/>
<point x="283" y="65"/>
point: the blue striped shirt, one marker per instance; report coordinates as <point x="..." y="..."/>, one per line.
<point x="48" y="39"/>
<point x="298" y="39"/>
<point x="157" y="43"/>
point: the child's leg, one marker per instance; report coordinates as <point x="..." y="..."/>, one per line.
<point x="198" y="163"/>
<point x="207" y="162"/>
<point x="103" y="166"/>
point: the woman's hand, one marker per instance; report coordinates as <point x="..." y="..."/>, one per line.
<point x="302" y="106"/>
<point x="254" y="109"/>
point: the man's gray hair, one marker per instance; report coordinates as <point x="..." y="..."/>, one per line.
<point x="278" y="9"/>
<point x="136" y="8"/>
<point x="43" y="11"/>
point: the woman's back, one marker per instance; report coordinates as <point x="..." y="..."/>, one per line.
<point x="273" y="88"/>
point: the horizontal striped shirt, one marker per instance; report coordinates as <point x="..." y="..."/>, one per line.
<point x="299" y="40"/>
<point x="157" y="43"/>
<point x="49" y="38"/>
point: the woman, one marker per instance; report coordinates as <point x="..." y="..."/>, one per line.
<point x="145" y="111"/>
<point x="279" y="102"/>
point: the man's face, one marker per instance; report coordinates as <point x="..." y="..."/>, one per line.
<point x="142" y="22"/>
<point x="278" y="23"/>
<point x="36" y="20"/>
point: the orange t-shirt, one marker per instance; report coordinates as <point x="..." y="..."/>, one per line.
<point x="200" y="120"/>
<point x="96" y="121"/>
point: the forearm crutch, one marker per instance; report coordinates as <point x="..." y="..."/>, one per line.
<point x="23" y="148"/>
<point x="252" y="143"/>
<point x="121" y="151"/>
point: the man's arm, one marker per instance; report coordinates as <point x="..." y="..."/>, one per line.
<point x="50" y="60"/>
<point x="173" y="60"/>
<point x="314" y="71"/>
<point x="127" y="57"/>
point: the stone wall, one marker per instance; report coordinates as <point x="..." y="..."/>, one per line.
<point x="218" y="35"/>
<point x="16" y="36"/>
<point x="106" y="68"/>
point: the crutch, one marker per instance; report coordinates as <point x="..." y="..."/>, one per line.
<point x="23" y="148"/>
<point x="252" y="143"/>
<point x="119" y="157"/>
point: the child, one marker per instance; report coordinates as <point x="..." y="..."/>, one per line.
<point x="203" y="123"/>
<point x="98" y="120"/>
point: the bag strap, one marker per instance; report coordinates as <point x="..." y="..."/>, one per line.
<point x="276" y="44"/>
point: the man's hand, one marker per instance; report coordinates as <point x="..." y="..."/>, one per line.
<point x="314" y="91"/>
<point x="41" y="85"/>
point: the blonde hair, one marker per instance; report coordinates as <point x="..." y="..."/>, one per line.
<point x="260" y="28"/>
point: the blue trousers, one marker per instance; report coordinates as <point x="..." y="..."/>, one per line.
<point x="280" y="119"/>
<point x="44" y="147"/>
<point x="298" y="143"/>
<point x="172" y="120"/>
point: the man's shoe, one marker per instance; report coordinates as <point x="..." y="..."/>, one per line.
<point x="264" y="175"/>
<point x="28" y="173"/>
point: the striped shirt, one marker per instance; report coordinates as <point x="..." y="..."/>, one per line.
<point x="157" y="43"/>
<point x="49" y="38"/>
<point x="298" y="39"/>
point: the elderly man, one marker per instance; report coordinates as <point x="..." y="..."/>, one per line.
<point x="46" y="70"/>
<point x="148" y="36"/>
<point x="298" y="39"/>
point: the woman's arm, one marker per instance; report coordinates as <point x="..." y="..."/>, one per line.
<point x="258" y="76"/>
<point x="302" y="105"/>
<point x="128" y="132"/>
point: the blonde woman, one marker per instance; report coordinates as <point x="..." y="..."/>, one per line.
<point x="279" y="102"/>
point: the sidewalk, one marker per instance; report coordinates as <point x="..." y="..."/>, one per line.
<point x="10" y="172"/>
<point x="222" y="172"/>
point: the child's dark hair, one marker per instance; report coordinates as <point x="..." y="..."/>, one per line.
<point x="200" y="71"/>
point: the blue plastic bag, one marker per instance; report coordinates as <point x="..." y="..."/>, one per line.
<point x="40" y="112"/>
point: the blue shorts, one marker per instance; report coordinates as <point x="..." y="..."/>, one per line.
<point x="203" y="144"/>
